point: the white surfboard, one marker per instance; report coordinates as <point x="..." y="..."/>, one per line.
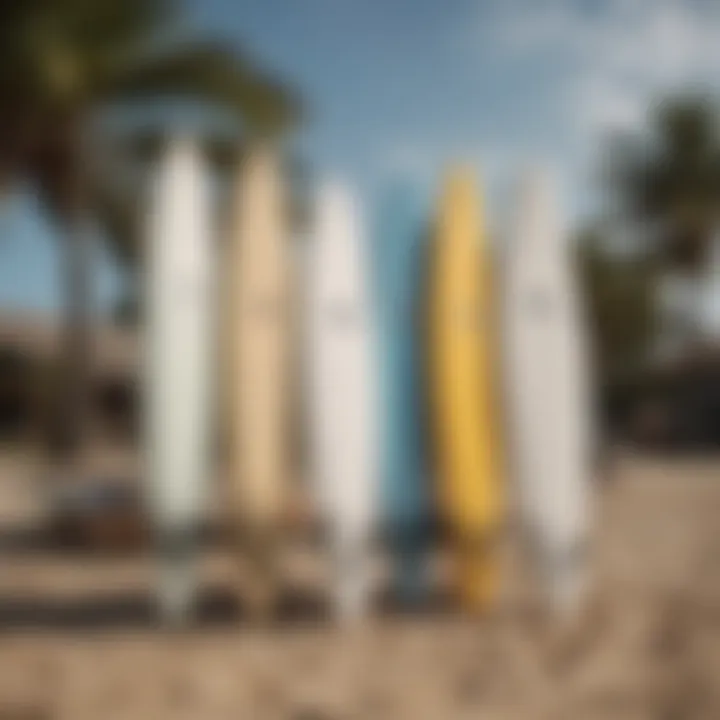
<point x="548" y="405"/>
<point x="178" y="285"/>
<point x="341" y="393"/>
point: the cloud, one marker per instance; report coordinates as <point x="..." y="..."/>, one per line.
<point x="565" y="73"/>
<point x="612" y="60"/>
<point x="597" y="68"/>
<point x="646" y="38"/>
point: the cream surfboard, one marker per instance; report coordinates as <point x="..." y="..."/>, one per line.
<point x="464" y="410"/>
<point x="548" y="407"/>
<point x="178" y="297"/>
<point x="341" y="393"/>
<point x="258" y="285"/>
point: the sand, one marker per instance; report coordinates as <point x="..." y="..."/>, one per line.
<point x="78" y="637"/>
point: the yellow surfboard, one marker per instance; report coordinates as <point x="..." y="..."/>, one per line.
<point x="462" y="390"/>
<point x="257" y="401"/>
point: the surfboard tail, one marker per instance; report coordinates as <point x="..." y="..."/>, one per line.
<point x="353" y="579"/>
<point x="478" y="572"/>
<point x="477" y="581"/>
<point x="412" y="582"/>
<point x="177" y="574"/>
<point x="566" y="575"/>
<point x="261" y="551"/>
<point x="176" y="591"/>
<point x="409" y="546"/>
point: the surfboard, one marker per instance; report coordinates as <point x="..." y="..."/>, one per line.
<point x="178" y="300"/>
<point x="258" y="296"/>
<point x="399" y="257"/>
<point x="463" y="390"/>
<point x="548" y="406"/>
<point x="341" y="393"/>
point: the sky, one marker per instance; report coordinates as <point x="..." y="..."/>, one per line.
<point x="395" y="89"/>
<point x="400" y="87"/>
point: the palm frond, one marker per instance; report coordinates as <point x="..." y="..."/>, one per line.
<point x="119" y="175"/>
<point x="211" y="74"/>
<point x="670" y="176"/>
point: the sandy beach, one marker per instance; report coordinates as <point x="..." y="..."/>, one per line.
<point x="79" y="638"/>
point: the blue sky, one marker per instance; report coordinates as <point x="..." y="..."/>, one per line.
<point x="396" y="88"/>
<point x="399" y="87"/>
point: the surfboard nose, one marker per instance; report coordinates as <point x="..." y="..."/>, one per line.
<point x="182" y="152"/>
<point x="459" y="198"/>
<point x="538" y="213"/>
<point x="336" y="212"/>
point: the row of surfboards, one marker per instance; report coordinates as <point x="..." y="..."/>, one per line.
<point x="432" y="386"/>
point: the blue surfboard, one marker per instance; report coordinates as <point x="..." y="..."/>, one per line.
<point x="399" y="249"/>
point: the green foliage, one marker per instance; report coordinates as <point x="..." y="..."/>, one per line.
<point x="620" y="292"/>
<point x="63" y="60"/>
<point x="62" y="55"/>
<point x="669" y="177"/>
<point x="61" y="63"/>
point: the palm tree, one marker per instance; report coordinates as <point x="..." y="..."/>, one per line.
<point x="669" y="178"/>
<point x="63" y="61"/>
<point x="619" y="293"/>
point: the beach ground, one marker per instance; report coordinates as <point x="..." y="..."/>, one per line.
<point x="79" y="639"/>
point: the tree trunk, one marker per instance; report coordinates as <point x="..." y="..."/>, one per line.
<point x="76" y="344"/>
<point x="71" y="411"/>
<point x="60" y="170"/>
